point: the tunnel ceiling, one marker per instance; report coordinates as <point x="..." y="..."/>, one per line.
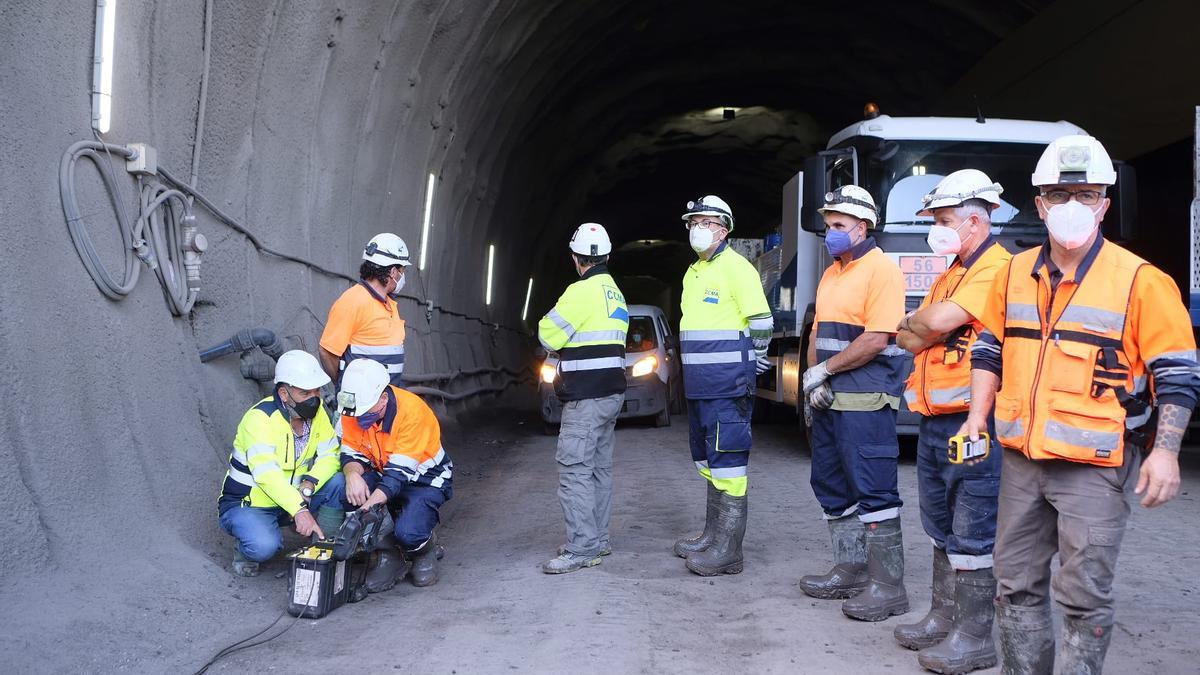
<point x="614" y="106"/>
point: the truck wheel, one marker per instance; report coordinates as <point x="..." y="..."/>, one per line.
<point x="663" y="419"/>
<point x="675" y="403"/>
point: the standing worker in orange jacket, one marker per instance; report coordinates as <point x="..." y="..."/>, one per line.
<point x="1083" y="343"/>
<point x="364" y="322"/>
<point x="392" y="454"/>
<point x="958" y="501"/>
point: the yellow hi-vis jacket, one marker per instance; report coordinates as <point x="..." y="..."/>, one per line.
<point x="263" y="468"/>
<point x="587" y="328"/>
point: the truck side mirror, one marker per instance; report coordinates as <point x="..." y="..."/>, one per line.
<point x="813" y="194"/>
<point x="1119" y="224"/>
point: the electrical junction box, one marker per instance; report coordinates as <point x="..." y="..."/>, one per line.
<point x="144" y="160"/>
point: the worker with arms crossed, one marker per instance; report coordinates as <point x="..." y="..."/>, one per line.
<point x="724" y="333"/>
<point x="1083" y="342"/>
<point x="364" y="322"/>
<point x="392" y="454"/>
<point x="853" y="391"/>
<point x="587" y="328"/>
<point x="958" y="500"/>
<point x="284" y="466"/>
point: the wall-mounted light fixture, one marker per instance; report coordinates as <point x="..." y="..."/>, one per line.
<point x="528" y="293"/>
<point x="102" y="70"/>
<point x="487" y="298"/>
<point x="428" y="219"/>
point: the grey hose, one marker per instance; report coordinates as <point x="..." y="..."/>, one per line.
<point x="131" y="240"/>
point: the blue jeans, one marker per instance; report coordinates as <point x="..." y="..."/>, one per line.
<point x="414" y="509"/>
<point x="958" y="501"/>
<point x="854" y="458"/>
<point x="257" y="528"/>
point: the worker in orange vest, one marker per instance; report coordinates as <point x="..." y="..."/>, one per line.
<point x="1083" y="344"/>
<point x="958" y="501"/>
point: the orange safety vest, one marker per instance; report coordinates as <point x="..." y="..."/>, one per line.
<point x="1068" y="376"/>
<point x="940" y="382"/>
<point x="407" y="440"/>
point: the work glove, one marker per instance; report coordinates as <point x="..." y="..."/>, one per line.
<point x="815" y="377"/>
<point x="821" y="397"/>
<point x="762" y="364"/>
<point x="760" y="344"/>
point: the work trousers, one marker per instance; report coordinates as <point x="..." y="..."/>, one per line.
<point x="585" y="459"/>
<point x="854" y="463"/>
<point x="958" y="501"/>
<point x="414" y="509"/>
<point x="1073" y="509"/>
<point x="257" y="528"/>
<point x="719" y="438"/>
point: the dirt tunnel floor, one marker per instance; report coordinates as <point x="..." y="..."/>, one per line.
<point x="641" y="610"/>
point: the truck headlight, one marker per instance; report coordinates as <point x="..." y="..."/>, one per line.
<point x="548" y="373"/>
<point x="644" y="366"/>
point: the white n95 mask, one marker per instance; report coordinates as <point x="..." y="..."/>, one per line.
<point x="1070" y="224"/>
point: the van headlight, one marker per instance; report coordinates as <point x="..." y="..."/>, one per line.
<point x="548" y="373"/>
<point x="644" y="366"/>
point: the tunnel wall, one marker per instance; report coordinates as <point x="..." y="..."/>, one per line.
<point x="322" y="124"/>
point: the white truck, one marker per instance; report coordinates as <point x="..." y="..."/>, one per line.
<point x="898" y="160"/>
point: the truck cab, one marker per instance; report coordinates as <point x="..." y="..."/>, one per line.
<point x="899" y="160"/>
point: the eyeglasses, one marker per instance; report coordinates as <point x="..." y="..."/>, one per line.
<point x="1085" y="197"/>
<point x="706" y="224"/>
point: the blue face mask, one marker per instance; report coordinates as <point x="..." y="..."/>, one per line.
<point x="837" y="242"/>
<point x="365" y="420"/>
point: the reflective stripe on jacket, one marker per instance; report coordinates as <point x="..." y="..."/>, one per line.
<point x="405" y="445"/>
<point x="940" y="382"/>
<point x="1074" y="356"/>
<point x="263" y="468"/>
<point x="719" y="296"/>
<point x="365" y="325"/>
<point x="587" y="328"/>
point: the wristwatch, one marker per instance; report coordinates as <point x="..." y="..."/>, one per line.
<point x="306" y="492"/>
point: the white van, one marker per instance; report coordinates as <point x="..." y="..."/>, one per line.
<point x="654" y="381"/>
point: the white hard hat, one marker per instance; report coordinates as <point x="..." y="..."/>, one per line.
<point x="710" y="205"/>
<point x="362" y="383"/>
<point x="300" y="369"/>
<point x="386" y="249"/>
<point x="1075" y="159"/>
<point x="852" y="201"/>
<point x="960" y="186"/>
<point x="590" y="239"/>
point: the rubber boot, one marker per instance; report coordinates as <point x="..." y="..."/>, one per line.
<point x="387" y="565"/>
<point x="969" y="645"/>
<point x="884" y="595"/>
<point x="1026" y="639"/>
<point x="690" y="545"/>
<point x="724" y="555"/>
<point x="425" y="557"/>
<point x="1083" y="648"/>
<point x="329" y="519"/>
<point x="849" y="574"/>
<point x="935" y="626"/>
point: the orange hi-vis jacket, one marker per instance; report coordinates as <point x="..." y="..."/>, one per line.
<point x="405" y="445"/>
<point x="1074" y="355"/>
<point x="940" y="382"/>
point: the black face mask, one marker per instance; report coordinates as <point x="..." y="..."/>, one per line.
<point x="307" y="409"/>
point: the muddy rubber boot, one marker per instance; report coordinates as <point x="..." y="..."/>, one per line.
<point x="969" y="645"/>
<point x="243" y="566"/>
<point x="1026" y="639"/>
<point x="690" y="545"/>
<point x="425" y="557"/>
<point x="1083" y="648"/>
<point x="849" y="574"/>
<point x="386" y="567"/>
<point x="935" y="625"/>
<point x="884" y="595"/>
<point x="329" y="519"/>
<point x="724" y="555"/>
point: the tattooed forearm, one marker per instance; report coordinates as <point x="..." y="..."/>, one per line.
<point x="1172" y="423"/>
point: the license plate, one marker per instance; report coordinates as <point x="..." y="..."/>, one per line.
<point x="921" y="271"/>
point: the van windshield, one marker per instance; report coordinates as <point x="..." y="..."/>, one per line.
<point x="915" y="168"/>
<point x="640" y="337"/>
